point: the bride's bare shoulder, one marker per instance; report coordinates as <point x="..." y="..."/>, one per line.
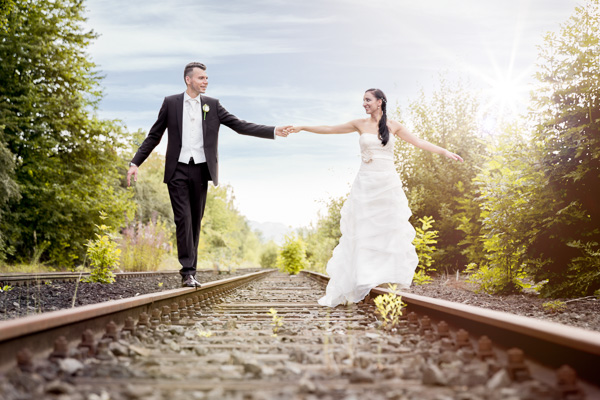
<point x="394" y="126"/>
<point x="361" y="124"/>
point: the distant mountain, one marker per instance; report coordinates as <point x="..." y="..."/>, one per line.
<point x="274" y="231"/>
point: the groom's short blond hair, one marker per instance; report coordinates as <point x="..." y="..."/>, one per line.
<point x="187" y="71"/>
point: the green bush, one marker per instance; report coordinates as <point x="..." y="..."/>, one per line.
<point x="103" y="255"/>
<point x="487" y="279"/>
<point x="292" y="258"/>
<point x="424" y="242"/>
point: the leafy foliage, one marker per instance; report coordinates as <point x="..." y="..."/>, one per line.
<point x="5" y="288"/>
<point x="554" y="306"/>
<point x="276" y="321"/>
<point x="292" y="258"/>
<point x="389" y="306"/>
<point x="434" y="184"/>
<point x="582" y="275"/>
<point x="103" y="255"/>
<point x="5" y="9"/>
<point x="424" y="243"/>
<point x="566" y="110"/>
<point x="9" y="190"/>
<point x="537" y="191"/>
<point x="509" y="196"/>
<point x="65" y="158"/>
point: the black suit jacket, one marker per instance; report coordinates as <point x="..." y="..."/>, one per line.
<point x="170" y="117"/>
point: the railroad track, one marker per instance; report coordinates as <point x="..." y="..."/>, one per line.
<point x="18" y="279"/>
<point x="548" y="343"/>
<point x="263" y="336"/>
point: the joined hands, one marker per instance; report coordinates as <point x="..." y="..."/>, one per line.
<point x="284" y="131"/>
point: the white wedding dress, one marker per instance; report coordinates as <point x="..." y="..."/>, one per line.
<point x="376" y="244"/>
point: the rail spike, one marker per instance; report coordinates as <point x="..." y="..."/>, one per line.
<point x="164" y="316"/>
<point x="484" y="349"/>
<point x="566" y="381"/>
<point x="517" y="369"/>
<point x="175" y="316"/>
<point x="25" y="360"/>
<point x="61" y="349"/>
<point x="443" y="331"/>
<point x="111" y="332"/>
<point x="143" y="323"/>
<point x="129" y="327"/>
<point x="87" y="347"/>
<point x="183" y="311"/>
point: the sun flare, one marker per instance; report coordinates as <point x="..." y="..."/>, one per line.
<point x="506" y="96"/>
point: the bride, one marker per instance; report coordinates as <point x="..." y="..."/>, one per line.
<point x="376" y="243"/>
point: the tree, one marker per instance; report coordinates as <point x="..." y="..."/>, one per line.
<point x="538" y="193"/>
<point x="566" y="110"/>
<point x="434" y="184"/>
<point x="9" y="190"/>
<point x="510" y="197"/>
<point x="66" y="159"/>
<point x="5" y="9"/>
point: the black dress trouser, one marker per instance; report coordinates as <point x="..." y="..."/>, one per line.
<point x="187" y="190"/>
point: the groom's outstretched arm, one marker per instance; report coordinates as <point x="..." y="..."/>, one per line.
<point x="248" y="128"/>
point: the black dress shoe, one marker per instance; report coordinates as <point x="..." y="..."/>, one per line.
<point x="190" y="281"/>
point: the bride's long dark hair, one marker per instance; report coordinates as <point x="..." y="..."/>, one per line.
<point x="384" y="132"/>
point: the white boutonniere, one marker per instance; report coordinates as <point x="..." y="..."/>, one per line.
<point x="206" y="109"/>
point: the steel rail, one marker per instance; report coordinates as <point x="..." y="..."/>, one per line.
<point x="548" y="343"/>
<point x="18" y="279"/>
<point x="38" y="332"/>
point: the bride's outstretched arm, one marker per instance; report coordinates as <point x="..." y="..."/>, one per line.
<point x="406" y="135"/>
<point x="348" y="127"/>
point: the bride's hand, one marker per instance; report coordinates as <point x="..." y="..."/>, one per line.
<point x="453" y="156"/>
<point x="294" y="129"/>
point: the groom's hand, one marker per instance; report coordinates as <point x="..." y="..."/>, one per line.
<point x="133" y="170"/>
<point x="282" y="131"/>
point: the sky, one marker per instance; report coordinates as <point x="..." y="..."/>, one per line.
<point x="280" y="62"/>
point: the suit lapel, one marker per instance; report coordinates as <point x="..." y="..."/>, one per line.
<point x="179" y="114"/>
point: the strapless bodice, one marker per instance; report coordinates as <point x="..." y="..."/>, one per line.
<point x="371" y="147"/>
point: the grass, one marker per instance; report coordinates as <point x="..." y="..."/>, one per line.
<point x="25" y="268"/>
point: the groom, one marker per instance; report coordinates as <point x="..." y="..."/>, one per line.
<point x="192" y="159"/>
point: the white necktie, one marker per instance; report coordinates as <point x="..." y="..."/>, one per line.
<point x="194" y="105"/>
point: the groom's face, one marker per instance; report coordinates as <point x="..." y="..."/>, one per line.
<point x="197" y="80"/>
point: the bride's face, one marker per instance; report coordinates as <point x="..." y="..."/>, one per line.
<point x="371" y="103"/>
